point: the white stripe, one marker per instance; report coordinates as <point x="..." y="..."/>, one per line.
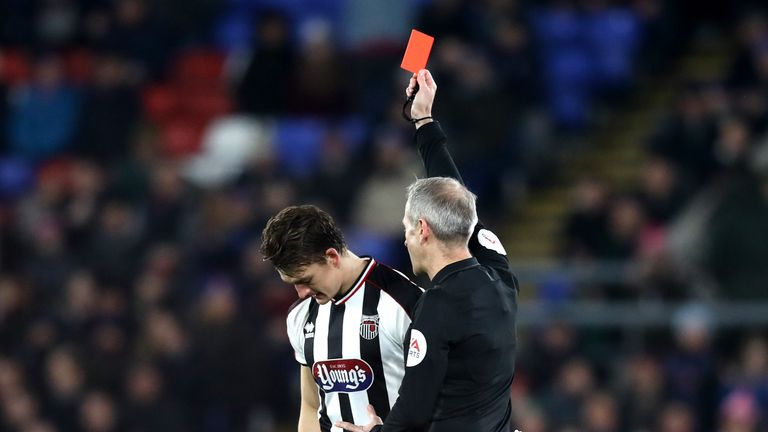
<point x="392" y="349"/>
<point x="350" y="345"/>
<point x="333" y="409"/>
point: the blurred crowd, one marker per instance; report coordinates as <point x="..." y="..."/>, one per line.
<point x="698" y="219"/>
<point x="144" y="143"/>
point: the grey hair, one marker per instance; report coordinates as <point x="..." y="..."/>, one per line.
<point x="447" y="206"/>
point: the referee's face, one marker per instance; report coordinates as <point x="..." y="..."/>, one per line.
<point x="320" y="281"/>
<point x="412" y="244"/>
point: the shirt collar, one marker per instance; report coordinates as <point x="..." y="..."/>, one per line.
<point x="341" y="299"/>
<point x="454" y="268"/>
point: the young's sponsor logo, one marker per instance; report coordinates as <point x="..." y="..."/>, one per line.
<point x="343" y="375"/>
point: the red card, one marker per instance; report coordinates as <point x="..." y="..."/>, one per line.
<point x="417" y="52"/>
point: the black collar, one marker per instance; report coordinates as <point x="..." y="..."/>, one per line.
<point x="454" y="268"/>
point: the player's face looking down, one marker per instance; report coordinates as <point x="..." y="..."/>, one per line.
<point x="323" y="281"/>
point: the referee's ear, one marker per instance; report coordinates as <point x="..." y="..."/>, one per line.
<point x="333" y="257"/>
<point x="425" y="232"/>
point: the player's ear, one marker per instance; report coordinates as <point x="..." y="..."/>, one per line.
<point x="332" y="256"/>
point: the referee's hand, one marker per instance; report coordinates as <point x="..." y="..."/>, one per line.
<point x="425" y="96"/>
<point x="375" y="421"/>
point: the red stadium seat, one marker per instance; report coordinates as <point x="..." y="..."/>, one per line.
<point x="77" y="64"/>
<point x="205" y="104"/>
<point x="160" y="103"/>
<point x="200" y="67"/>
<point x="15" y="68"/>
<point x="181" y="137"/>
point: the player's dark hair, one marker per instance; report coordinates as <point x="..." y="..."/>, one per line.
<point x="298" y="236"/>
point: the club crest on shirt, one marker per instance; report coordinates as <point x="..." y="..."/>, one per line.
<point x="309" y="330"/>
<point x="343" y="375"/>
<point x="369" y="326"/>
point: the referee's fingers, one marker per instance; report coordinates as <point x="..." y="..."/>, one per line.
<point x="372" y="412"/>
<point x="348" y="426"/>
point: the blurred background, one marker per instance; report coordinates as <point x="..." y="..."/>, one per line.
<point x="619" y="149"/>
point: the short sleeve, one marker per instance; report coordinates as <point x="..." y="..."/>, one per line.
<point x="295" y="323"/>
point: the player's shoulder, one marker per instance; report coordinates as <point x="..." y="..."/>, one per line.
<point x="390" y="280"/>
<point x="299" y="310"/>
<point x="396" y="285"/>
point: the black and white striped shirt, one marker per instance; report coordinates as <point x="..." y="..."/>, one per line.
<point x="355" y="344"/>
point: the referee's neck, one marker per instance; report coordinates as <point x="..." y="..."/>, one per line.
<point x="443" y="257"/>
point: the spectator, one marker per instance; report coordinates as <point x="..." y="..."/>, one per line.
<point x="110" y="111"/>
<point x="136" y="37"/>
<point x="584" y="231"/>
<point x="676" y="417"/>
<point x="272" y="61"/>
<point x="98" y="413"/>
<point x="318" y="84"/>
<point x="149" y="408"/>
<point x="600" y="414"/>
<point x="643" y="397"/>
<point x="689" y="368"/>
<point x="43" y="115"/>
<point x="570" y="398"/>
<point x="65" y="383"/>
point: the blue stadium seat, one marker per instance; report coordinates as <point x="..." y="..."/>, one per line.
<point x="613" y="36"/>
<point x="298" y="142"/>
<point x="378" y="246"/>
<point x="355" y="131"/>
<point x="234" y="31"/>
<point x="16" y="177"/>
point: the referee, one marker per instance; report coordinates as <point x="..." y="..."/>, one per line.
<point x="460" y="355"/>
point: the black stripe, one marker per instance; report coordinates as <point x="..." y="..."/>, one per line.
<point x="309" y="343"/>
<point x="335" y="338"/>
<point x="370" y="351"/>
<point x="309" y="355"/>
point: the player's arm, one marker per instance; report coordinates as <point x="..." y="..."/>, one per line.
<point x="310" y="403"/>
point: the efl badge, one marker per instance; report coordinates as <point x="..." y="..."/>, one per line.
<point x="417" y="348"/>
<point x="369" y="326"/>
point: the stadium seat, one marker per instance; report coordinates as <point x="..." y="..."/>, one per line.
<point x="180" y="138"/>
<point x="613" y="36"/>
<point x="355" y="130"/>
<point x="16" y="177"/>
<point x="15" y="68"/>
<point x="77" y="65"/>
<point x="204" y="104"/>
<point x="160" y="102"/>
<point x="200" y="67"/>
<point x="234" y="32"/>
<point x="298" y="143"/>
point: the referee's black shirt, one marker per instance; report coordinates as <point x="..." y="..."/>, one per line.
<point x="461" y="345"/>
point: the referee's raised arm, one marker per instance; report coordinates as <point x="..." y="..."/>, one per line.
<point x="430" y="138"/>
<point x="431" y="142"/>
